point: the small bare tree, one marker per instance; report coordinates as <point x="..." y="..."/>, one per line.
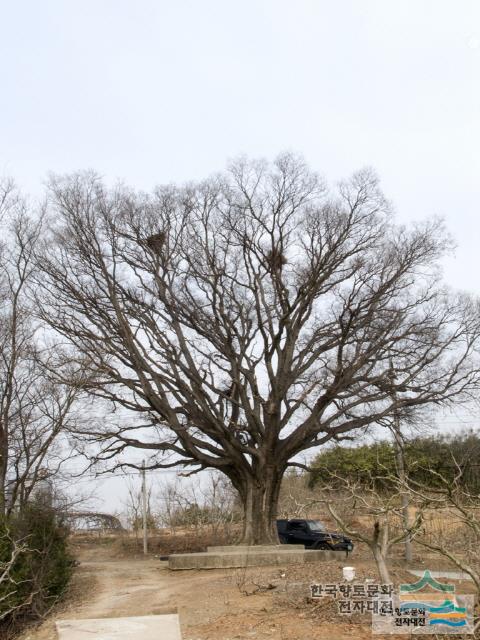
<point x="35" y="406"/>
<point x="219" y="499"/>
<point x="8" y="583"/>
<point x="210" y="505"/>
<point x="133" y="506"/>
<point x="382" y="511"/>
<point x="452" y="519"/>
<point x="295" y="496"/>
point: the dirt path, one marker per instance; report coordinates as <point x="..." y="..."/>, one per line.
<point x="124" y="588"/>
<point x="105" y="587"/>
<point x="212" y="605"/>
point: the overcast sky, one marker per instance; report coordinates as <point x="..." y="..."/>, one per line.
<point x="152" y="91"/>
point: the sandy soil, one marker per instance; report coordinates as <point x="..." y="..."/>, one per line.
<point x="108" y="586"/>
<point x="260" y="603"/>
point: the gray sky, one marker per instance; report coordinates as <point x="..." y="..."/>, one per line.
<point x="152" y="91"/>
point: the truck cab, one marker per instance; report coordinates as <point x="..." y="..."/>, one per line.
<point x="313" y="534"/>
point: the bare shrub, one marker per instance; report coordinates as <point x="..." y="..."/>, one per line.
<point x="209" y="507"/>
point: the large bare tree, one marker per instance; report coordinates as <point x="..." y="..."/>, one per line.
<point x="252" y="317"/>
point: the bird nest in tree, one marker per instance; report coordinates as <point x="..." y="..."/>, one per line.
<point x="276" y="259"/>
<point x="156" y="241"/>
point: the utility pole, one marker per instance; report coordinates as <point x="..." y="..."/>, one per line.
<point x="401" y="471"/>
<point x="144" y="509"/>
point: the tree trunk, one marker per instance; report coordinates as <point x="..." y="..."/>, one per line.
<point x="398" y="444"/>
<point x="3" y="480"/>
<point x="401" y="471"/>
<point x="379" y="547"/>
<point x="260" y="500"/>
<point x="381" y="563"/>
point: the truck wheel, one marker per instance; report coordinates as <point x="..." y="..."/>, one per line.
<point x="322" y="546"/>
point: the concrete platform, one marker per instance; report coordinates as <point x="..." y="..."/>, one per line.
<point x="165" y="627"/>
<point x="239" y="559"/>
<point x="243" y="548"/>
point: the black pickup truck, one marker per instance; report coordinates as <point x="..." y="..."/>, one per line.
<point x="312" y="534"/>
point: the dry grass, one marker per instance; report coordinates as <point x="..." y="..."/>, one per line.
<point x="162" y="542"/>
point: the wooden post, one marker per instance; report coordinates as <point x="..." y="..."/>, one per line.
<point x="144" y="509"/>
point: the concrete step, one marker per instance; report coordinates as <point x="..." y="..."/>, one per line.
<point x="258" y="548"/>
<point x="239" y="559"/>
<point x="164" y="627"/>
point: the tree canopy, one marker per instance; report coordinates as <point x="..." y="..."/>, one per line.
<point x="252" y="317"/>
